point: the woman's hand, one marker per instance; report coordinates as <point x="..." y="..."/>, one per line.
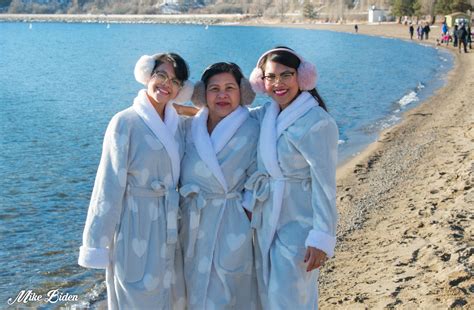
<point x="185" y="110"/>
<point x="315" y="258"/>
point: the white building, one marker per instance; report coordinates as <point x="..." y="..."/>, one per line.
<point x="377" y="15"/>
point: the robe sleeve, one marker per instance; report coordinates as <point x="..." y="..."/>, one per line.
<point x="247" y="195"/>
<point x="106" y="202"/>
<point x="256" y="113"/>
<point x="319" y="148"/>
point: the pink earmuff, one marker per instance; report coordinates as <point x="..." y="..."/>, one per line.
<point x="144" y="68"/>
<point x="307" y="74"/>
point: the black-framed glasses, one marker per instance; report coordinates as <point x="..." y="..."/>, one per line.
<point x="283" y="77"/>
<point x="161" y="77"/>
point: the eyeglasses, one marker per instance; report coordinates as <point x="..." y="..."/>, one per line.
<point x="283" y="77"/>
<point x="161" y="77"/>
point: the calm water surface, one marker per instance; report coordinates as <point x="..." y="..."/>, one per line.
<point x="61" y="83"/>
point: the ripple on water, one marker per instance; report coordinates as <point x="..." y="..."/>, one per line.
<point x="8" y="216"/>
<point x="61" y="273"/>
<point x="57" y="195"/>
<point x="14" y="191"/>
<point x="51" y="253"/>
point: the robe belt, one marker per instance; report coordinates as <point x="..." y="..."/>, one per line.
<point x="202" y="199"/>
<point x="259" y="185"/>
<point x="159" y="189"/>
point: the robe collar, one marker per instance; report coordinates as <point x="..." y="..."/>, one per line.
<point x="209" y="146"/>
<point x="164" y="131"/>
<point x="302" y="104"/>
<point x="273" y="125"/>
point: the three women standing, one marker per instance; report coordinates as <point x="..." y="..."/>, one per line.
<point x="287" y="169"/>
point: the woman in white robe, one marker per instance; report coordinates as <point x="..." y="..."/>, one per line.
<point x="294" y="189"/>
<point x="131" y="226"/>
<point x="220" y="154"/>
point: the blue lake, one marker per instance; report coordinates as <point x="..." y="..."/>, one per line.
<point x="61" y="83"/>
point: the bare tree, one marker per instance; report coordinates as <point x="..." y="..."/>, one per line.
<point x="337" y="10"/>
<point x="282" y="8"/>
<point x="16" y="6"/>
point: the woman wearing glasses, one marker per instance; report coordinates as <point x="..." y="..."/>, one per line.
<point x="294" y="189"/>
<point x="220" y="154"/>
<point x="131" y="226"/>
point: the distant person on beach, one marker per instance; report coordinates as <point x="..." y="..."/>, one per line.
<point x="220" y="155"/>
<point x="446" y="38"/>
<point x="444" y="28"/>
<point x="469" y="36"/>
<point x="132" y="223"/>
<point x="411" y="30"/>
<point x="462" y="37"/>
<point x="426" y="30"/>
<point x="356" y="28"/>
<point x="419" y="32"/>
<point x="455" y="35"/>
<point x="294" y="189"/>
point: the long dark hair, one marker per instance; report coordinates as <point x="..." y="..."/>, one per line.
<point x="180" y="66"/>
<point x="222" y="67"/>
<point x="290" y="60"/>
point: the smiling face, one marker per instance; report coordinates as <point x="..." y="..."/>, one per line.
<point x="282" y="84"/>
<point x="222" y="95"/>
<point x="162" y="89"/>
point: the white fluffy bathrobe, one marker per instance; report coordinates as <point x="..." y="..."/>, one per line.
<point x="294" y="199"/>
<point x="216" y="234"/>
<point x="131" y="226"/>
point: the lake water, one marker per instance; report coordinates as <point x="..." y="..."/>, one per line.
<point x="61" y="83"/>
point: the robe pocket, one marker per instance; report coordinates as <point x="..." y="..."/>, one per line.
<point x="235" y="253"/>
<point x="133" y="242"/>
<point x="292" y="237"/>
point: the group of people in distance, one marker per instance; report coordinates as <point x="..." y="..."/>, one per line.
<point x="422" y="31"/>
<point x="232" y="208"/>
<point x="461" y="36"/>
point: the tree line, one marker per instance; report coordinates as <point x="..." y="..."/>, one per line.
<point x="311" y="9"/>
<point x="419" y="8"/>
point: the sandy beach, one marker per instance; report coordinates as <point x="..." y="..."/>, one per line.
<point x="405" y="203"/>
